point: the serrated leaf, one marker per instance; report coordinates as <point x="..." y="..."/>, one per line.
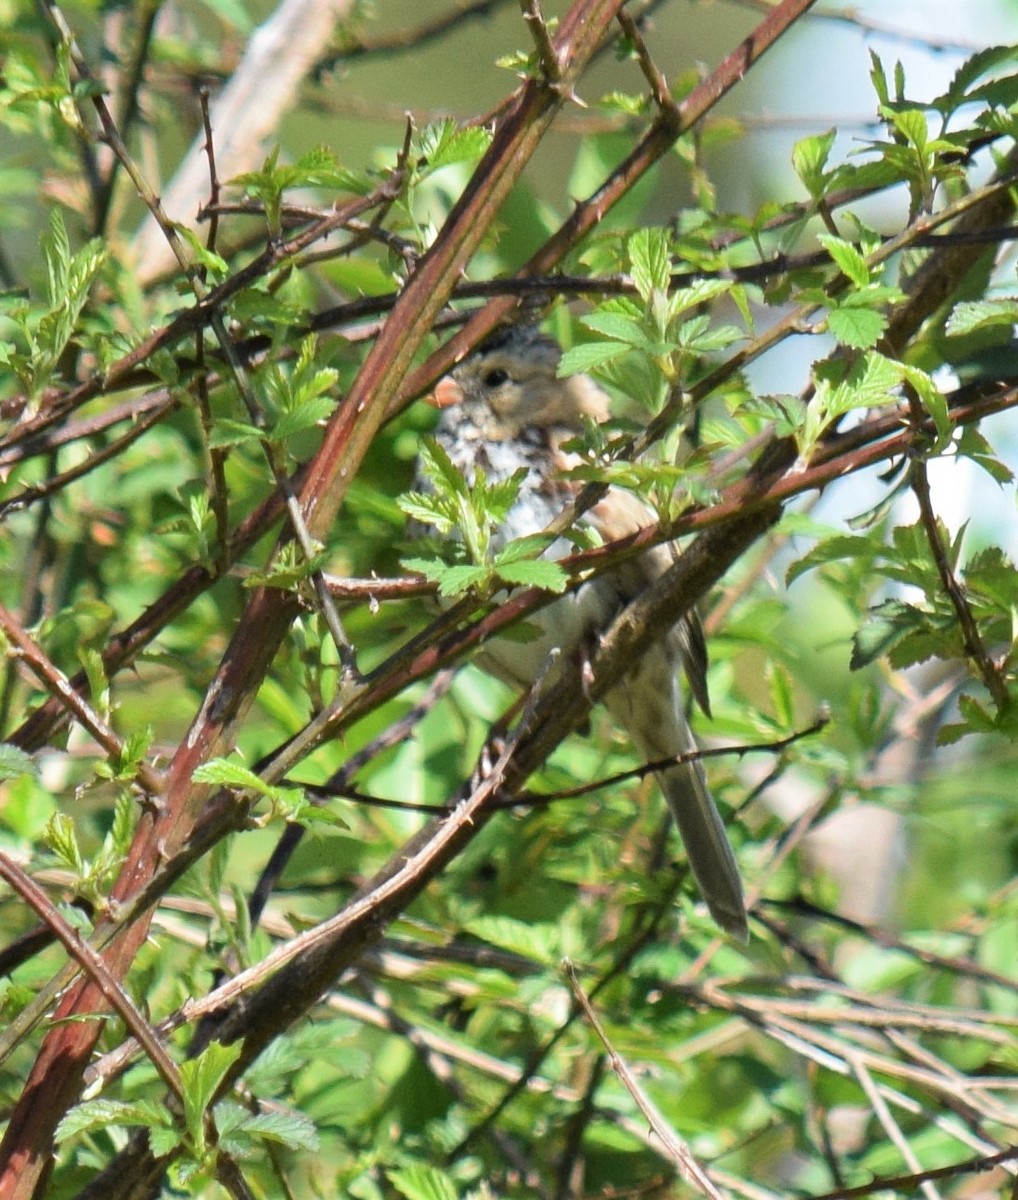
<point x="533" y="572"/>
<point x="832" y="549"/>
<point x="878" y="78"/>
<point x="426" y="508"/>
<point x="454" y="581"/>
<point x="625" y="329"/>
<point x="306" y="415"/>
<point x="530" y="546"/>
<point x="969" y="316"/>
<point x="438" y="467"/>
<point x="782" y="695"/>
<point x="444" y="143"/>
<point x="422" y="1183"/>
<point x="650" y="261"/>
<point x="972" y="70"/>
<point x="869" y="384"/>
<point x="580" y="359"/>
<point x="225" y="772"/>
<point x="200" y="1078"/>
<point x="885" y="627"/>
<point x="847" y="258"/>
<point x="100" y="1113"/>
<point x="978" y="716"/>
<point x="290" y="1129"/>
<point x="973" y="445"/>
<point x="226" y="433"/>
<point x="62" y="839"/>
<point x="542" y="941"/>
<point x="859" y="328"/>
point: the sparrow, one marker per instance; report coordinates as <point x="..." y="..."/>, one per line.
<point x="505" y="408"/>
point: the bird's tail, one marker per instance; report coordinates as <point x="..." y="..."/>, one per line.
<point x="649" y="706"/>
<point x="707" y="847"/>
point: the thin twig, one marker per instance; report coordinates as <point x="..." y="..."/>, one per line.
<point x="675" y="1148"/>
<point x="96" y="969"/>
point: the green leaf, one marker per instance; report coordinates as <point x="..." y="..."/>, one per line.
<point x="227" y="432"/>
<point x="62" y="839"/>
<point x="878" y="77"/>
<point x="886" y="626"/>
<point x="870" y="382"/>
<point x="625" y="329"/>
<point x="229" y="773"/>
<point x="933" y="400"/>
<point x="970" y="72"/>
<point x="237" y="1126"/>
<point x="14" y="762"/>
<point x="782" y="694"/>
<point x="100" y="1113"/>
<point x="201" y="1077"/>
<point x="859" y="328"/>
<point x="533" y="572"/>
<point x="542" y="942"/>
<point x="971" y="315"/>
<point x="847" y="258"/>
<point x="529" y="547"/>
<point x="650" y="260"/>
<point x="454" y="581"/>
<point x="587" y="356"/>
<point x="912" y="124"/>
<point x="973" y="445"/>
<point x="423" y="1183"/>
<point x="443" y="143"/>
<point x="809" y="158"/>
<point x="306" y="414"/>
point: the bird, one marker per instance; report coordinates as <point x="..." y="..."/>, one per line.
<point x="503" y="408"/>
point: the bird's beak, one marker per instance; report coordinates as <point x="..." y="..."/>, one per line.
<point x="447" y="393"/>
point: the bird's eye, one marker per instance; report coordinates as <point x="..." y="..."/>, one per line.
<point x="495" y="377"/>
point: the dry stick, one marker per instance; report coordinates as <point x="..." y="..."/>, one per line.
<point x="277" y="57"/>
<point x="411" y="39"/>
<point x="228" y="816"/>
<point x="127" y="372"/>
<point x="424" y="1040"/>
<point x="890" y="1126"/>
<point x="832" y="1051"/>
<point x="856" y="20"/>
<point x="217" y="455"/>
<point x="128" y="109"/>
<point x="906" y="1184"/>
<point x="218" y="326"/>
<point x="537" y="1057"/>
<point x="940" y="962"/>
<point x="398" y="732"/>
<point x="675" y="1148"/>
